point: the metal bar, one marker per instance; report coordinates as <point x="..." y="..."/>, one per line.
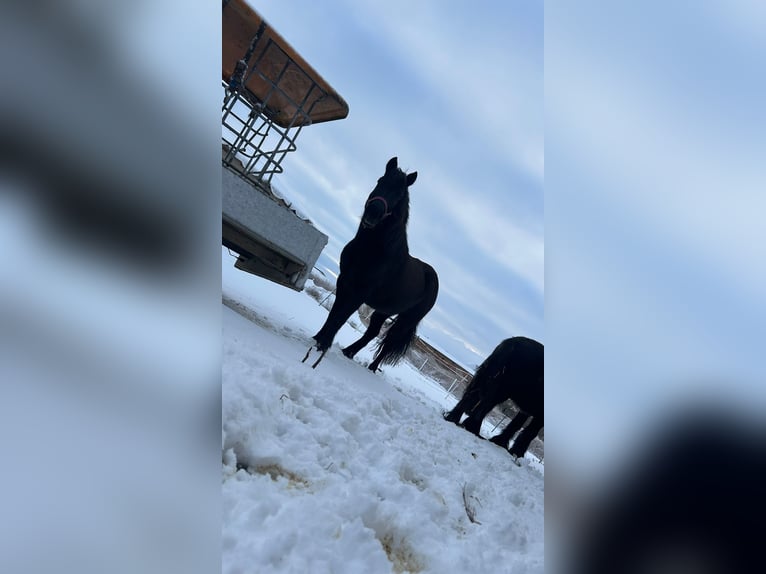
<point x="251" y="48"/>
<point x="268" y="156"/>
<point x="299" y="110"/>
<point x="275" y="84"/>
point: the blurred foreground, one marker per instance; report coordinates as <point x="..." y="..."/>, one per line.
<point x="655" y="307"/>
<point x="109" y="324"/>
<point x="691" y="500"/>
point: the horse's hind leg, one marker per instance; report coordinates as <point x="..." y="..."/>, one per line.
<point x="376" y="322"/>
<point x="526" y="436"/>
<point x="485" y="394"/>
<point x="516" y="423"/>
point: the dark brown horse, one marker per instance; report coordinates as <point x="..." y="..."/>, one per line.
<point x="514" y="371"/>
<point x="376" y="268"/>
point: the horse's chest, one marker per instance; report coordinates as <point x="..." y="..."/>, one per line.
<point x="384" y="277"/>
<point x="365" y="266"/>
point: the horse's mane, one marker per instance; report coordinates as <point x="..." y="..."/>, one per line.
<point x="402" y="210"/>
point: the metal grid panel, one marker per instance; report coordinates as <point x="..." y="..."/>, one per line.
<point x="249" y="129"/>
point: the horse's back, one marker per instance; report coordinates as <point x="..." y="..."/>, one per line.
<point x="521" y="352"/>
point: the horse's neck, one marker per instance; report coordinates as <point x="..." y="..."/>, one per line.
<point x="390" y="237"/>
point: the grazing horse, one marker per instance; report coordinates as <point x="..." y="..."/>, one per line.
<point x="376" y="268"/>
<point x="513" y="371"/>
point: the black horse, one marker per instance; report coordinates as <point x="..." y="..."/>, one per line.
<point x="515" y="371"/>
<point x="376" y="268"/>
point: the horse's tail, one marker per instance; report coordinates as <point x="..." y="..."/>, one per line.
<point x="400" y="335"/>
<point x="482" y="381"/>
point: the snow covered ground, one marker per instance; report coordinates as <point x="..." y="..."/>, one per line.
<point x="339" y="470"/>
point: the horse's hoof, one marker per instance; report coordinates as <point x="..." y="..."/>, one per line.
<point x="517" y="460"/>
<point x="451" y="417"/>
<point x="321" y="344"/>
<point x="347" y="354"/>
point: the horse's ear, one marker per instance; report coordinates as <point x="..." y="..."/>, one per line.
<point x="392" y="164"/>
<point x="411" y="177"/>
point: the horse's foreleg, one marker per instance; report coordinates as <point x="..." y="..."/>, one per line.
<point x="457" y="411"/>
<point x="476" y="416"/>
<point x="345" y="304"/>
<point x="341" y="310"/>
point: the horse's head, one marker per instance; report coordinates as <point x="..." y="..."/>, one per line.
<point x="388" y="195"/>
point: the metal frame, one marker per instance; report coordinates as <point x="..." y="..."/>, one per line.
<point x="249" y="131"/>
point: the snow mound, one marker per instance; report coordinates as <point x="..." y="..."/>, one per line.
<point x="339" y="470"/>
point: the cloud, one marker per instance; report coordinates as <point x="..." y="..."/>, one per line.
<point x="743" y="20"/>
<point x="652" y="139"/>
<point x="479" y="62"/>
<point x="508" y="239"/>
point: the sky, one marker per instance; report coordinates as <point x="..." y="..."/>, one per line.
<point x="455" y="91"/>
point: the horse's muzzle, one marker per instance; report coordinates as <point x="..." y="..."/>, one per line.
<point x="375" y="211"/>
